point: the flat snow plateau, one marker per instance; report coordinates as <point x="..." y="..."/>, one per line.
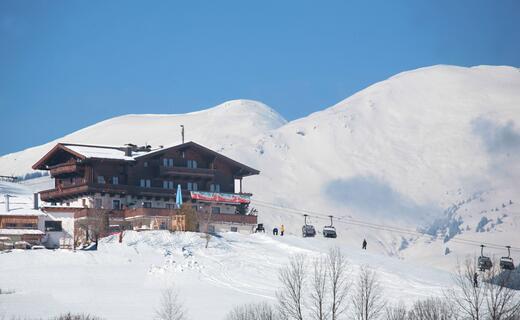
<point x="125" y="280"/>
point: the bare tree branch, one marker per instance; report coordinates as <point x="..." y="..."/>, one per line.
<point x="170" y="308"/>
<point x="291" y="295"/>
<point x="368" y="302"/>
<point x="337" y="271"/>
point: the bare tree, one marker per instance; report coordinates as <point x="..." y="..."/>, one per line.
<point x="368" y="302"/>
<point x="337" y="272"/>
<point x="259" y="311"/>
<point x="432" y="309"/>
<point x="396" y="313"/>
<point x="291" y="295"/>
<point x="467" y="296"/>
<point x="502" y="302"/>
<point x="318" y="291"/>
<point x="170" y="308"/>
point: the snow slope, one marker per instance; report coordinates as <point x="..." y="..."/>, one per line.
<point x="435" y="149"/>
<point x="124" y="281"/>
<point x="234" y="122"/>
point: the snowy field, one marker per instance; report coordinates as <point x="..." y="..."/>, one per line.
<point x="125" y="280"/>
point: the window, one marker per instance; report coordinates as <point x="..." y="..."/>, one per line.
<point x="163" y="225"/>
<point x="167" y="162"/>
<point x="145" y="164"/>
<point x="234" y="229"/>
<point x="29" y="226"/>
<point x="98" y="203"/>
<point x="115" y="180"/>
<point x="192" y="164"/>
<point x="193" y="186"/>
<point x="215" y="210"/>
<point x="214" y="187"/>
<point x="10" y="225"/>
<point x="169" y="205"/>
<point x="116" y="204"/>
<point x="147" y="204"/>
<point x="84" y="203"/>
<point x="101" y="179"/>
<point x="196" y="208"/>
<point x="53" y="226"/>
<point x="145" y="183"/>
<point x="211" y="229"/>
<point x="167" y="184"/>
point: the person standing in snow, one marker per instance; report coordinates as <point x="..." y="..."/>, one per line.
<point x="275" y="231"/>
<point x="282" y="230"/>
<point x="364" y="246"/>
<point x="475" y="280"/>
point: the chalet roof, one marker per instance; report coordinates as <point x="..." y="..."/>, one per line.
<point x="190" y="144"/>
<point x="21" y="212"/>
<point x="12" y="232"/>
<point x="83" y="151"/>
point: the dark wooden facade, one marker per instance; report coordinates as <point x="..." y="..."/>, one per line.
<point x="141" y="175"/>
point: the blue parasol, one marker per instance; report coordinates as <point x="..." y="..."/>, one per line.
<point x="178" y="199"/>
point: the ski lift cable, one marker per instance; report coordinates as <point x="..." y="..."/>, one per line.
<point x="394" y="229"/>
<point x="390" y="228"/>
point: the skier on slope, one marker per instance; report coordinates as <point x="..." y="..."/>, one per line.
<point x="475" y="280"/>
<point x="282" y="230"/>
<point x="364" y="246"/>
<point x="275" y="231"/>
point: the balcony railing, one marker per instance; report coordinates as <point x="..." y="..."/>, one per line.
<point x="187" y="172"/>
<point x="227" y="218"/>
<point x="66" y="168"/>
<point x="75" y="190"/>
<point x="150" y="212"/>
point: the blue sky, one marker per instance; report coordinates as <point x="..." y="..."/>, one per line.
<point x="68" y="64"/>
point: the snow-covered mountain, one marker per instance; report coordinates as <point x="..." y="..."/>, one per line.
<point x="232" y="123"/>
<point x="435" y="148"/>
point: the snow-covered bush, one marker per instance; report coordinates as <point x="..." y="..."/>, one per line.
<point x="170" y="308"/>
<point x="259" y="311"/>
<point x="70" y="316"/>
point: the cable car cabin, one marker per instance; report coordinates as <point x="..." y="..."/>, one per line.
<point x="506" y="263"/>
<point x="308" y="231"/>
<point x="484" y="263"/>
<point x="329" y="232"/>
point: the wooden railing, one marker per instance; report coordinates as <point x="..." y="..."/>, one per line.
<point x="228" y="218"/>
<point x="185" y="171"/>
<point x="76" y="190"/>
<point x="150" y="212"/>
<point x="65" y="168"/>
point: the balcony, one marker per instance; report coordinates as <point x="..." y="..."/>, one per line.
<point x="66" y="168"/>
<point x="149" y="212"/>
<point x="187" y="172"/>
<point x="56" y="195"/>
<point x="227" y="218"/>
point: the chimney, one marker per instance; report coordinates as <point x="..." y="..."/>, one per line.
<point x="36" y="201"/>
<point x="128" y="151"/>
<point x="6" y="202"/>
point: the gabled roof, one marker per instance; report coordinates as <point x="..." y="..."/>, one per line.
<point x="83" y="151"/>
<point x="246" y="170"/>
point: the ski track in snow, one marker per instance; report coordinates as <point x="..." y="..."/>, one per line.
<point x="234" y="269"/>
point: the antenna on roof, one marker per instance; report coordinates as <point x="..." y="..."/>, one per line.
<point x="182" y="132"/>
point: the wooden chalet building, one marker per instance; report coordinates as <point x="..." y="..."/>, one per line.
<point x="136" y="187"/>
